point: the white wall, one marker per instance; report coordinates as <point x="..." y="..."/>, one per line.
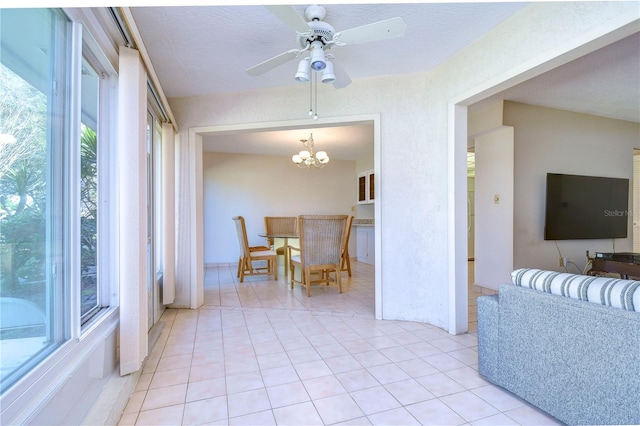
<point x="494" y="208"/>
<point x="255" y="186"/>
<point x="415" y="133"/>
<point x="402" y="104"/>
<point x="551" y="140"/>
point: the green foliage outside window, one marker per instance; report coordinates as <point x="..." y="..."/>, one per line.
<point x="23" y="196"/>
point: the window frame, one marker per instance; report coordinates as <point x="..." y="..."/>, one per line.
<point x="106" y="97"/>
<point x="50" y="367"/>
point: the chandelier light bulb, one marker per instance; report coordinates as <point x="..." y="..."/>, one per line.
<point x="305" y="155"/>
<point x="296" y="159"/>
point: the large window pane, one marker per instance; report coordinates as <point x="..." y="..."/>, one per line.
<point x="33" y="114"/>
<point x="89" y="295"/>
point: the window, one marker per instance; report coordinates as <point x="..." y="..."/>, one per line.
<point x="154" y="217"/>
<point x="50" y="162"/>
<point x="33" y="126"/>
<point x="89" y="288"/>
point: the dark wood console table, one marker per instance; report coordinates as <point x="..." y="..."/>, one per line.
<point x="627" y="270"/>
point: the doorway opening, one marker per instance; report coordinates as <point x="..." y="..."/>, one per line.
<point x="196" y="137"/>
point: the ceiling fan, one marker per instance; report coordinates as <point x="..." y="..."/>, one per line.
<point x="316" y="36"/>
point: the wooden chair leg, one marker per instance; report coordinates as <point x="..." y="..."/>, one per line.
<point x="242" y="269"/>
<point x="307" y="281"/>
<point x="346" y="262"/>
<point x="274" y="265"/>
<point x="339" y="278"/>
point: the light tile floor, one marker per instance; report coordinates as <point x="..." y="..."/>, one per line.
<point x="259" y="353"/>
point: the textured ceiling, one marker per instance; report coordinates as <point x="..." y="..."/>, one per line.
<point x="348" y="142"/>
<point x="206" y="50"/>
<point x="605" y="83"/>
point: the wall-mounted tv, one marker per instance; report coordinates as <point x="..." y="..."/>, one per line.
<point x="586" y="207"/>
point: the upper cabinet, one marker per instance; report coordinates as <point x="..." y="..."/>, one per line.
<point x="366" y="187"/>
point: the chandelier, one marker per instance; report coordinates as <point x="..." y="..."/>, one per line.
<point x="307" y="158"/>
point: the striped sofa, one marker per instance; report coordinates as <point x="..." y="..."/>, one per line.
<point x="568" y="344"/>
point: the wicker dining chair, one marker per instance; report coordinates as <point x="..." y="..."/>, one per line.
<point x="247" y="257"/>
<point x="345" y="264"/>
<point x="280" y="225"/>
<point x="321" y="239"/>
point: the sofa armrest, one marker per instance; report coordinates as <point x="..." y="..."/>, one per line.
<point x="488" y="337"/>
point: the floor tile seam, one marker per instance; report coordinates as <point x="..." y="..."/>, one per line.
<point x="359" y="363"/>
<point x="403" y="406"/>
<point x="416" y="382"/>
<point x="279" y="341"/>
<point x="385" y="389"/>
<point x="462" y="384"/>
<point x="392" y="409"/>
<point x="257" y="412"/>
<point x="340" y="421"/>
<point x="466" y="422"/>
<point x="520" y="400"/>
<point x="499" y="411"/>
<point x="506" y="413"/>
<point x="298" y="328"/>
<point x="161" y="406"/>
<point x="294" y="403"/>
<point x="461" y="415"/>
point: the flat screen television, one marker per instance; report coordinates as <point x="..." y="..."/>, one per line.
<point x="586" y="207"/>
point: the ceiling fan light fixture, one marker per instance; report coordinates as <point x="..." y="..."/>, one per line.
<point x="302" y="75"/>
<point x="318" y="62"/>
<point x="328" y="76"/>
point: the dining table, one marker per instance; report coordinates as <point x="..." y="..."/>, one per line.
<point x="285" y="237"/>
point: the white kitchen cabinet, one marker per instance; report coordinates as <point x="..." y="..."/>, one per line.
<point x="366" y="187"/>
<point x="365" y="239"/>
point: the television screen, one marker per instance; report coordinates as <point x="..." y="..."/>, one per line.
<point x="586" y="207"/>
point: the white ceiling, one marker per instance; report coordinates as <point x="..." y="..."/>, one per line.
<point x="206" y="50"/>
<point x="346" y="142"/>
<point x="605" y="83"/>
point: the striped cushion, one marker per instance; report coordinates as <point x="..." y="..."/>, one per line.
<point x="618" y="293"/>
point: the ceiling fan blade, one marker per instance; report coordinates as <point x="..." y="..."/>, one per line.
<point x="290" y="17"/>
<point x="269" y="64"/>
<point x="380" y="30"/>
<point x="342" y="78"/>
